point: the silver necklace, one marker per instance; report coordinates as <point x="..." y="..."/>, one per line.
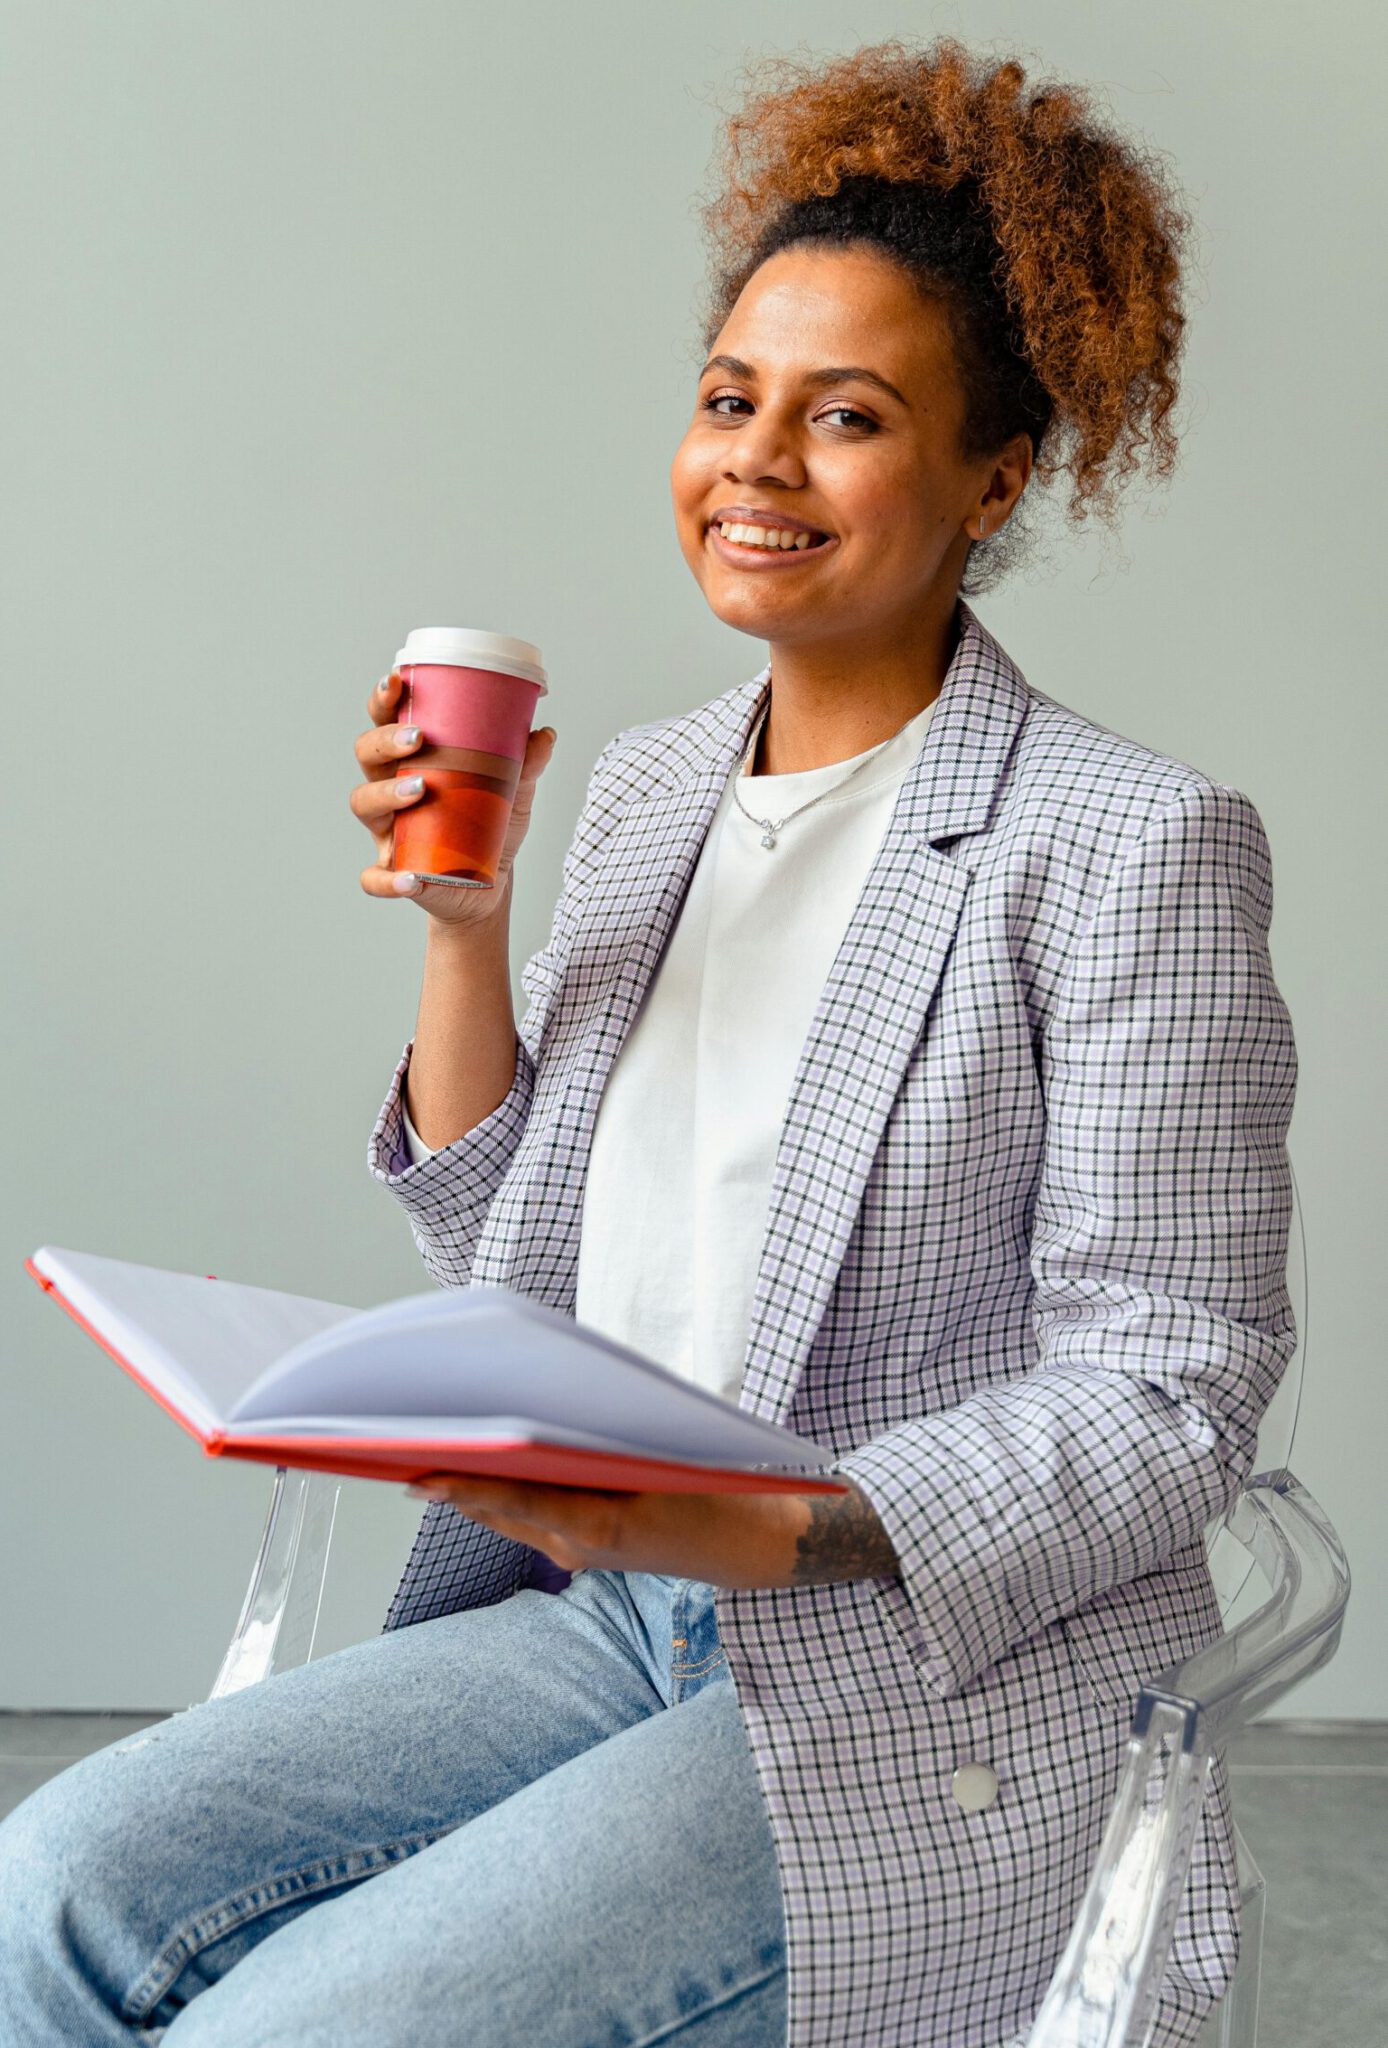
<point x="769" y="830"/>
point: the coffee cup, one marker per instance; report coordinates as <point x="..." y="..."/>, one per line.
<point x="472" y="694"/>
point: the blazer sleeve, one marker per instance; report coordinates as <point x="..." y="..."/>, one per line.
<point x="447" y="1195"/>
<point x="1158" y="1250"/>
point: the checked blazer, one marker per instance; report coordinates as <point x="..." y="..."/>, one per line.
<point x="1023" y="1270"/>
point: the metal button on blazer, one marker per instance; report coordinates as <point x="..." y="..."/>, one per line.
<point x="975" y="1786"/>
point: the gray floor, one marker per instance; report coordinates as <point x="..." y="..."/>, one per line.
<point x="1311" y="1799"/>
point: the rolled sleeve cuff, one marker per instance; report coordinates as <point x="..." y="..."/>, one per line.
<point x="940" y="1611"/>
<point x="451" y="1190"/>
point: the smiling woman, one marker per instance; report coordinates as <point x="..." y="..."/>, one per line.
<point x="1050" y="243"/>
<point x="789" y="431"/>
<point x="920" y="1082"/>
<point x="925" y="281"/>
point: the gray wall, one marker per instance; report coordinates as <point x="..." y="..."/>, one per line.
<point x="327" y="320"/>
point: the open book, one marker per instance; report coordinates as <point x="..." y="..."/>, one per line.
<point x="474" y="1379"/>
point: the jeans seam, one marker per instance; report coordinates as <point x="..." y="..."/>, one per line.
<point x="238" y="1908"/>
<point x="693" y="1670"/>
<point x="712" y="2004"/>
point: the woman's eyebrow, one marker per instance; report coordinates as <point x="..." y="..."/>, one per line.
<point x="836" y="374"/>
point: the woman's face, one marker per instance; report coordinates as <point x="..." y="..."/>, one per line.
<point x="876" y="470"/>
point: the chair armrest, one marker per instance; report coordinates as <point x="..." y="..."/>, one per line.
<point x="279" y="1615"/>
<point x="1105" y="1989"/>
<point x="1289" y="1538"/>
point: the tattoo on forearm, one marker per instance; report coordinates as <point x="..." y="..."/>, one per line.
<point x="845" y="1540"/>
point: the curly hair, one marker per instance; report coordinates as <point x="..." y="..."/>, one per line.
<point x="1051" y="243"/>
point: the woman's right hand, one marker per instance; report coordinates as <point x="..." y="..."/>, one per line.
<point x="384" y="757"/>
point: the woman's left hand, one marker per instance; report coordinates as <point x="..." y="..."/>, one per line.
<point x="724" y="1539"/>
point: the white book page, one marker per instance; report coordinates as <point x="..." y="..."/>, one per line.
<point x="484" y="1351"/>
<point x="449" y="1429"/>
<point x="201" y="1343"/>
<point x="439" y="1429"/>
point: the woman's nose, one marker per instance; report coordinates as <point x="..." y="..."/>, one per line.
<point x="767" y="447"/>
<point x="768" y="456"/>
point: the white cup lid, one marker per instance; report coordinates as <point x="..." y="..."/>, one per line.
<point x="468" y="647"/>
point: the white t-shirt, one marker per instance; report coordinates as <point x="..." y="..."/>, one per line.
<point x="685" y="1142"/>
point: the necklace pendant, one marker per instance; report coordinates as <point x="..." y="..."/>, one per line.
<point x="768" y="838"/>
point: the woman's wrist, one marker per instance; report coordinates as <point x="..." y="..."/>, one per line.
<point x="463" y="1063"/>
<point x="474" y="935"/>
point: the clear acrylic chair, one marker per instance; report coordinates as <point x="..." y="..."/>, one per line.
<point x="1283" y="1582"/>
<point x="1274" y="1542"/>
<point x="1104" y="1991"/>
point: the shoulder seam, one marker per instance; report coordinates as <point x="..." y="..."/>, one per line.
<point x="1200" y="785"/>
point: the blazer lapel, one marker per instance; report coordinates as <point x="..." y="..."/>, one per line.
<point x="872" y="1010"/>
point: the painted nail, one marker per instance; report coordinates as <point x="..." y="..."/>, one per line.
<point x="407" y="736"/>
<point x="409" y="785"/>
<point x="406" y="885"/>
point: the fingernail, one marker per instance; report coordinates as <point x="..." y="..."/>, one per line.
<point x="407" y="735"/>
<point x="405" y="885"/>
<point x="409" y="785"/>
<point x="383" y="685"/>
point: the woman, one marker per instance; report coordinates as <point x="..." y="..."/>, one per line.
<point x="905" y="1060"/>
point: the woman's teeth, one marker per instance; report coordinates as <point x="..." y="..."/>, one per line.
<point x="767" y="537"/>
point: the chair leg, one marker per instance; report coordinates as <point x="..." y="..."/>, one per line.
<point x="279" y="1617"/>
<point x="1234" y="2022"/>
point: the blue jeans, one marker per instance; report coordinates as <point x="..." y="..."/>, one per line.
<point x="533" y="1825"/>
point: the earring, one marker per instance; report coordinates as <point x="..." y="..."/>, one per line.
<point x="982" y="524"/>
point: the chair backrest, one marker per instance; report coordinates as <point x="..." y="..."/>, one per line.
<point x="1105" y="1988"/>
<point x="1277" y="1436"/>
<point x="1231" y="1566"/>
<point x="1283" y="1582"/>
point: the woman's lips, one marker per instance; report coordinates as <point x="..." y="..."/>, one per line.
<point x="742" y="557"/>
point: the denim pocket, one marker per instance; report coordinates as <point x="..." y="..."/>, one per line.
<point x="239" y="1910"/>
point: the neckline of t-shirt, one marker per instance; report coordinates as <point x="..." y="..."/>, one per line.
<point x="897" y="750"/>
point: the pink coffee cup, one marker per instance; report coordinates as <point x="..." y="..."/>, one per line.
<point x="472" y="694"/>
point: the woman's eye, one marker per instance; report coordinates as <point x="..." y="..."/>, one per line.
<point x="734" y="398"/>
